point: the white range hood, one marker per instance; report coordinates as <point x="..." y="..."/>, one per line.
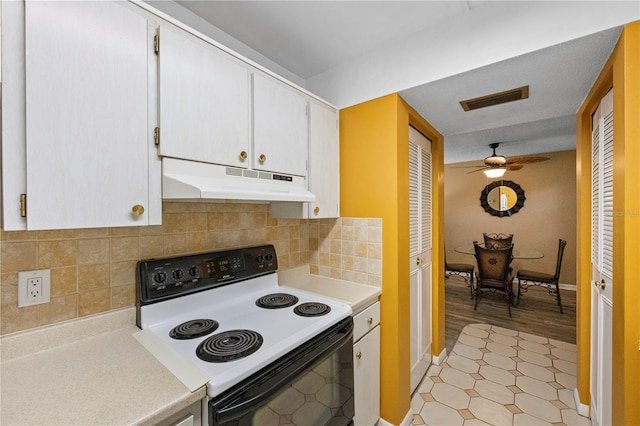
<point x="191" y="180"/>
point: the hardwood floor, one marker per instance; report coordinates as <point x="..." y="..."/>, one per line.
<point x="537" y="313"/>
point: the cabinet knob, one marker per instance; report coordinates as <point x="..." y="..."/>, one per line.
<point x="243" y="155"/>
<point x="369" y="320"/>
<point x="316" y="210"/>
<point x="137" y="210"/>
<point x="359" y="355"/>
<point x="418" y="261"/>
<point x="262" y="158"/>
<point x="602" y="284"/>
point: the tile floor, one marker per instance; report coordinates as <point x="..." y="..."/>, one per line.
<point x="498" y="376"/>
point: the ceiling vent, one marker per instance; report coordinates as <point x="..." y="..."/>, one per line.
<point x="496" y="99"/>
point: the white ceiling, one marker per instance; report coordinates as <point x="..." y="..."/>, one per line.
<point x="308" y="38"/>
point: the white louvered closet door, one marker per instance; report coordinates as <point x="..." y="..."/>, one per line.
<point x="420" y="253"/>
<point x="602" y="261"/>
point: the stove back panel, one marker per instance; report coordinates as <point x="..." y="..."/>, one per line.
<point x="164" y="279"/>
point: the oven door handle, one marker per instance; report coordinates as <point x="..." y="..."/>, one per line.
<point x="263" y="385"/>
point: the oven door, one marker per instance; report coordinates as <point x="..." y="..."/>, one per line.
<point x="312" y="385"/>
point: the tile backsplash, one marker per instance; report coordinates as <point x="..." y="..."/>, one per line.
<point x="93" y="270"/>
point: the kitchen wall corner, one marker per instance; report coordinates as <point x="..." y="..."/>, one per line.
<point x="93" y="270"/>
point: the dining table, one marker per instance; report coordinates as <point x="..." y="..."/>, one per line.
<point x="517" y="253"/>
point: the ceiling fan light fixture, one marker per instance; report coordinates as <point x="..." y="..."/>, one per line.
<point x="495" y="172"/>
<point x="495" y="160"/>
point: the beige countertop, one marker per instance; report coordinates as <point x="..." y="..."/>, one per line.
<point x="358" y="296"/>
<point x="89" y="371"/>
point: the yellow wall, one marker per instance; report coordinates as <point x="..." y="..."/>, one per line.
<point x="374" y="172"/>
<point x="622" y="71"/>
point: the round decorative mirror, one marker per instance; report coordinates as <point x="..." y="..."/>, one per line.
<point x="502" y="198"/>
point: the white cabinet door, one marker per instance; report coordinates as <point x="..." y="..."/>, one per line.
<point x="280" y="137"/>
<point x="324" y="161"/>
<point x="366" y="369"/>
<point x="87" y="128"/>
<point x="205" y="97"/>
<point x="324" y="168"/>
<point x="602" y="262"/>
<point x="420" y="254"/>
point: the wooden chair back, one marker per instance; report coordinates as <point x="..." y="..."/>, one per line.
<point x="561" y="245"/>
<point x="497" y="241"/>
<point x="493" y="264"/>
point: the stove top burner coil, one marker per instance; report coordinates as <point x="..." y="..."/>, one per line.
<point x="193" y="329"/>
<point x="312" y="309"/>
<point x="229" y="345"/>
<point x="277" y="301"/>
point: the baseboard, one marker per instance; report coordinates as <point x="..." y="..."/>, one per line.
<point x="438" y="359"/>
<point x="405" y="422"/>
<point x="581" y="408"/>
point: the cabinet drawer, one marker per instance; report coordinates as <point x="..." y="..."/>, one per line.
<point x="365" y="321"/>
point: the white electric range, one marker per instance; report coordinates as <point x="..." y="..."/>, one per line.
<point x="225" y="313"/>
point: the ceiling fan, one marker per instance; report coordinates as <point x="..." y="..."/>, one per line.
<point x="496" y="165"/>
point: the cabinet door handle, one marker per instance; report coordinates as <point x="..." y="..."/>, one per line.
<point x="137" y="210"/>
<point x="369" y="320"/>
<point x="602" y="284"/>
<point x="418" y="261"/>
<point x="243" y="155"/>
<point x="316" y="210"/>
<point x="262" y="158"/>
<point x="359" y="355"/>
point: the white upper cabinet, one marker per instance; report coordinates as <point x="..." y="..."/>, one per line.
<point x="280" y="136"/>
<point x="205" y="97"/>
<point x="86" y="83"/>
<point x="324" y="168"/>
<point x="324" y="161"/>
<point x="86" y="118"/>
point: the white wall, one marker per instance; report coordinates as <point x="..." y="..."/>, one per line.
<point x="485" y="35"/>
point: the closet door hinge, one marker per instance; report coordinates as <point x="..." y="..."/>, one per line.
<point x="23" y="205"/>
<point x="156" y="136"/>
<point x="156" y="43"/>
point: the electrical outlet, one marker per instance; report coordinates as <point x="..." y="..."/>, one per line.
<point x="34" y="287"/>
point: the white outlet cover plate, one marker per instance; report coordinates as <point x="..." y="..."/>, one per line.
<point x="23" y="277"/>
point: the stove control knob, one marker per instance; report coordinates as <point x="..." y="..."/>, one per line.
<point x="193" y="271"/>
<point x="260" y="258"/>
<point x="177" y="274"/>
<point x="160" y="277"/>
<point x="269" y="257"/>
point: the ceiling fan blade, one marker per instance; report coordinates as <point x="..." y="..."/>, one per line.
<point x="513" y="167"/>
<point x="468" y="167"/>
<point x="478" y="170"/>
<point x="526" y="160"/>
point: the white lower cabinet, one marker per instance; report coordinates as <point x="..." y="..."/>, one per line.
<point x="366" y="366"/>
<point x="189" y="416"/>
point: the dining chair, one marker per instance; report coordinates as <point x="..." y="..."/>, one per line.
<point x="493" y="272"/>
<point x="463" y="270"/>
<point x="528" y="278"/>
<point x="497" y="241"/>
